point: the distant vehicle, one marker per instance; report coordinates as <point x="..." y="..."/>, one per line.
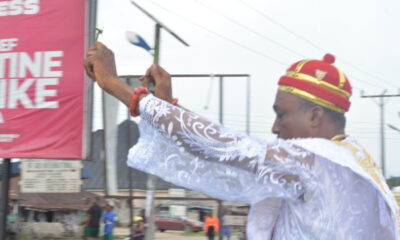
<point x="167" y="222"/>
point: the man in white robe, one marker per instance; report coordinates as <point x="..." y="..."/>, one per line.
<point x="313" y="182"/>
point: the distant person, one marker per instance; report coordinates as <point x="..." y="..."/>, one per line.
<point x="142" y="214"/>
<point x="109" y="218"/>
<point x="211" y="226"/>
<point x="92" y="220"/>
<point x="138" y="227"/>
<point x="82" y="215"/>
<point x="202" y="215"/>
<point x="12" y="225"/>
<point x="210" y="232"/>
<point x="226" y="230"/>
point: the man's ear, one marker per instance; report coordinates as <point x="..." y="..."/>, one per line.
<point x="316" y="114"/>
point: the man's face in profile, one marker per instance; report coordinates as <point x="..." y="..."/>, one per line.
<point x="291" y="117"/>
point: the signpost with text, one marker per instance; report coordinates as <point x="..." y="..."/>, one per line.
<point x="43" y="176"/>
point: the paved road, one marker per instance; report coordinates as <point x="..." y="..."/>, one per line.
<point x="169" y="235"/>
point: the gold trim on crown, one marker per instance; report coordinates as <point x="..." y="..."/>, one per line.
<point x="310" y="97"/>
<point x="301" y="64"/>
<point x="342" y="78"/>
<point x="311" y="79"/>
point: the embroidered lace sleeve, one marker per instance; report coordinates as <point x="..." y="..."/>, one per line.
<point x="187" y="150"/>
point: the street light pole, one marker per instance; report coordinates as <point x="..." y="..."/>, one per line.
<point x="151" y="178"/>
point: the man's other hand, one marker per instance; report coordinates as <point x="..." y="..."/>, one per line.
<point x="162" y="81"/>
<point x="100" y="65"/>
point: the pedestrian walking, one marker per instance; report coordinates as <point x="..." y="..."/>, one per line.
<point x="109" y="218"/>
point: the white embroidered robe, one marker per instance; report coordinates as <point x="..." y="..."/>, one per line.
<point x="297" y="189"/>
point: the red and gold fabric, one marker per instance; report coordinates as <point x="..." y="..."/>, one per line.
<point x="319" y="82"/>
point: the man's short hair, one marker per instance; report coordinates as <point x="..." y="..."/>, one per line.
<point x="337" y="118"/>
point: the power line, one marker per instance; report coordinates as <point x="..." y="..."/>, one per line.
<point x="249" y="29"/>
<point x="219" y="35"/>
<point x="364" y="81"/>
<point x="243" y="46"/>
<point x="268" y="124"/>
<point x="267" y="117"/>
<point x="267" y="38"/>
<point x="281" y="25"/>
<point x="367" y="73"/>
<point x="310" y="42"/>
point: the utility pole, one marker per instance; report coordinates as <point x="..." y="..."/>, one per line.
<point x="220" y="211"/>
<point x="381" y="105"/>
<point x="221" y="100"/>
<point x="151" y="180"/>
<point x="221" y="121"/>
<point x="248" y="105"/>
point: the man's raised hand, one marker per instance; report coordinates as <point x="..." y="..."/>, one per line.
<point x="162" y="81"/>
<point x="100" y="65"/>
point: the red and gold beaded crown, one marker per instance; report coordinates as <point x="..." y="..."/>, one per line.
<point x="319" y="82"/>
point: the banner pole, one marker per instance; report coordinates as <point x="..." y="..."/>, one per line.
<point x="151" y="179"/>
<point x="5" y="186"/>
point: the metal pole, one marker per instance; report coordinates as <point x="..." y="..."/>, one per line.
<point x="130" y="203"/>
<point x="90" y="39"/>
<point x="92" y="13"/>
<point x="5" y="186"/>
<point x="157" y="36"/>
<point x="150" y="201"/>
<point x="220" y="216"/>
<point x="130" y="200"/>
<point x="221" y="120"/>
<point x="221" y="100"/>
<point x="382" y="133"/>
<point x="248" y="106"/>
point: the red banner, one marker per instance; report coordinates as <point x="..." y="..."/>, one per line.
<point x="42" y="78"/>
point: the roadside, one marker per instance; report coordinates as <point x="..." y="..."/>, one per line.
<point x="168" y="235"/>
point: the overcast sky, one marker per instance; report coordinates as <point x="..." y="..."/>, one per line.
<point x="263" y="38"/>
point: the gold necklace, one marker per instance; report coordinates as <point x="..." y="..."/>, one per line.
<point x="339" y="137"/>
